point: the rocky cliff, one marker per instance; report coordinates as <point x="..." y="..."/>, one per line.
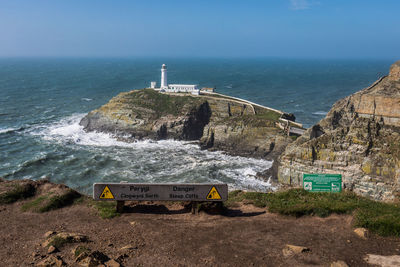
<point x="217" y="122"/>
<point x="359" y="138"/>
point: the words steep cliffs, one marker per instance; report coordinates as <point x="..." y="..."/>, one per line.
<point x="359" y="138"/>
<point x="217" y="122"/>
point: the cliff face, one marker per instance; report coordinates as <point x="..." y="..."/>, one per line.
<point x="219" y="123"/>
<point x="359" y="138"/>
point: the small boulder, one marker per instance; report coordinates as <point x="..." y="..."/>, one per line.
<point x="361" y="232"/>
<point x="80" y="252"/>
<point x="112" y="263"/>
<point x="49" y="233"/>
<point x="383" y="261"/>
<point x="51" y="261"/>
<point x="52" y="249"/>
<point x="292" y="250"/>
<point x="129" y="247"/>
<point x="58" y="240"/>
<point x="288" y="116"/>
<point x="73" y="237"/>
<point x="94" y="258"/>
<point x="89" y="262"/>
<point x="339" y="264"/>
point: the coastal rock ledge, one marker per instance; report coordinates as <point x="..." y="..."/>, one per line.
<point x="218" y="122"/>
<point x="359" y="138"/>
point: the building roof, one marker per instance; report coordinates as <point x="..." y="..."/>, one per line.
<point x="182" y="84"/>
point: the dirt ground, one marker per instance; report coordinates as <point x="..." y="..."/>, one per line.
<point x="159" y="235"/>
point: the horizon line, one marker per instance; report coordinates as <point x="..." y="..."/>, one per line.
<point x="203" y="57"/>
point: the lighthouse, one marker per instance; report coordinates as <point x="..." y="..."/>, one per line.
<point x="173" y="88"/>
<point x="164" y="84"/>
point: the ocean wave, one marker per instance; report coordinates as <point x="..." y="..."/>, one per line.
<point x="9" y="130"/>
<point x="320" y="113"/>
<point x="112" y="160"/>
<point x="68" y="130"/>
<point x="86" y="99"/>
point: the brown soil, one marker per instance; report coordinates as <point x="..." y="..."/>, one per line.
<point x="170" y="235"/>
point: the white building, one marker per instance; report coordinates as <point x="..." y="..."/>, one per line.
<point x="174" y="88"/>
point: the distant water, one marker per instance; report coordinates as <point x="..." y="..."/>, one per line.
<point x="42" y="101"/>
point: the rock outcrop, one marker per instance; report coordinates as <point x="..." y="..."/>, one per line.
<point x="359" y="138"/>
<point x="217" y="122"/>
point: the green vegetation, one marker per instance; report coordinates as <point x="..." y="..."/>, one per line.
<point x="378" y="217"/>
<point x="268" y="115"/>
<point x="106" y="209"/>
<point x="16" y="193"/>
<point x="259" y="120"/>
<point x="58" y="242"/>
<point x="162" y="104"/>
<point x="48" y="202"/>
<point x="34" y="204"/>
<point x="60" y="201"/>
<point x="81" y="250"/>
<point x="381" y="218"/>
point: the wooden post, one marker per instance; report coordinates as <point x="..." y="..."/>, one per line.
<point x="121" y="203"/>
<point x="120" y="206"/>
<point x="195" y="207"/>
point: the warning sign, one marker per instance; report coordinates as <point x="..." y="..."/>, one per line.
<point x="106" y="194"/>
<point x="160" y="192"/>
<point x="213" y="194"/>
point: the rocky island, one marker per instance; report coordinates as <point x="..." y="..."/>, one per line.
<point x="359" y="138"/>
<point x="216" y="121"/>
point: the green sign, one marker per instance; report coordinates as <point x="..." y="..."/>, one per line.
<point x="322" y="182"/>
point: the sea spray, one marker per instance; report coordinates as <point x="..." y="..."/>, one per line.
<point x="89" y="157"/>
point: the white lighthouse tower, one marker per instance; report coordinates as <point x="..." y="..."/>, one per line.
<point x="164" y="84"/>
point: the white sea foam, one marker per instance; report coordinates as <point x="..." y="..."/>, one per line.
<point x="69" y="130"/>
<point x="86" y="99"/>
<point x="153" y="161"/>
<point x="7" y="130"/>
<point x="323" y="113"/>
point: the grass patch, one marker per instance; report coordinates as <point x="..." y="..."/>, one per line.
<point x="161" y="104"/>
<point x="378" y="217"/>
<point x="34" y="204"/>
<point x="106" y="209"/>
<point x="250" y="120"/>
<point x="60" y="201"/>
<point x="58" y="242"/>
<point x="80" y="250"/>
<point x="267" y="114"/>
<point x="18" y="192"/>
<point x="48" y="202"/>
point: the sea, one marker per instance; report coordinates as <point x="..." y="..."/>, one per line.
<point x="42" y="101"/>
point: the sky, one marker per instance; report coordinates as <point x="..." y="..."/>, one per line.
<point x="200" y="28"/>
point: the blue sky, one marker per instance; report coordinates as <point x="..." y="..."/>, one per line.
<point x="201" y="28"/>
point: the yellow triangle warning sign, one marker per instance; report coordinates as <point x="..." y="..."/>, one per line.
<point x="106" y="193"/>
<point x="213" y="194"/>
